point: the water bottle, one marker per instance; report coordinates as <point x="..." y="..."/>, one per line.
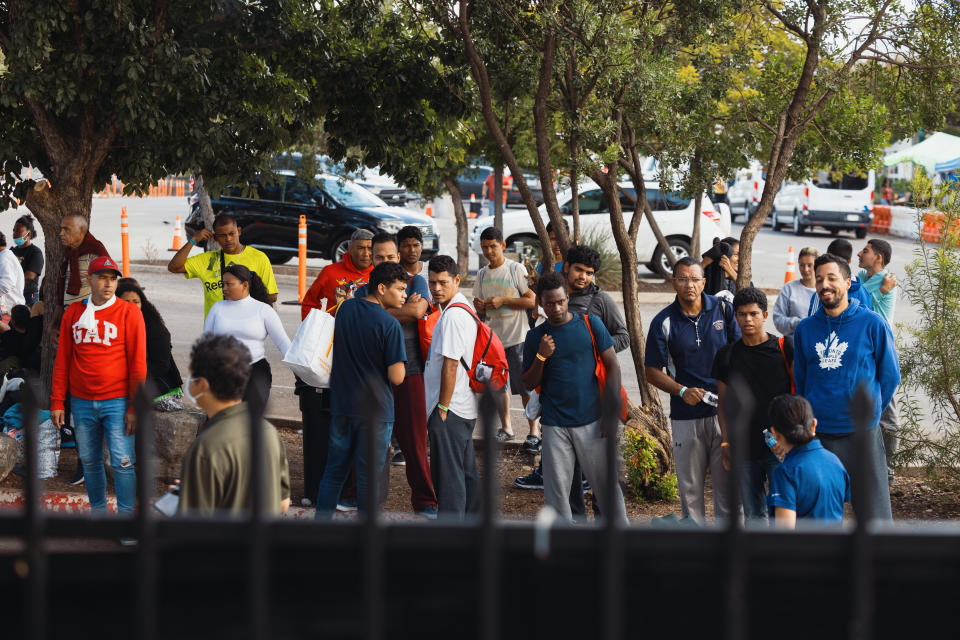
<point x="711" y="398"/>
<point x="769" y="438"/>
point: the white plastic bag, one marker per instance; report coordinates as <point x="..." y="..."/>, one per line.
<point x="310" y="355"/>
<point x="533" y="409"/>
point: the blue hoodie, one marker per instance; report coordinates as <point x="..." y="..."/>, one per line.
<point x="832" y="356"/>
<point x="856" y="292"/>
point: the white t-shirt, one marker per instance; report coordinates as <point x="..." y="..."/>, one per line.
<point x="249" y="321"/>
<point x="453" y="337"/>
<point x="11" y="280"/>
<point x="510" y="281"/>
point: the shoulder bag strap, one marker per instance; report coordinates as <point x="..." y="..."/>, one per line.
<point x="476" y="318"/>
<point x="793" y="387"/>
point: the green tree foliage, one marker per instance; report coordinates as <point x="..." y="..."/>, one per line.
<point x="809" y="101"/>
<point x="95" y="88"/>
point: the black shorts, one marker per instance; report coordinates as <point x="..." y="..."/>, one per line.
<point x="515" y="363"/>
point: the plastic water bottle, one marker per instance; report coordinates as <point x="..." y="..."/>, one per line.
<point x="711" y="398"/>
<point x="769" y="438"/>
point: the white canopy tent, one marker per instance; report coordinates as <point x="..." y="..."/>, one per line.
<point x="938" y="148"/>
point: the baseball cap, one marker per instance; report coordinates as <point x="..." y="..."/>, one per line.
<point x="103" y="263"/>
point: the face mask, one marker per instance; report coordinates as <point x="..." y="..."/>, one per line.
<point x="18" y="241"/>
<point x="186" y="392"/>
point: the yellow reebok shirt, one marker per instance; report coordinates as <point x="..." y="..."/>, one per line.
<point x="206" y="266"/>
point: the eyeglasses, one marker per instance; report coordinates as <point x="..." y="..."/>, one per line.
<point x="688" y="280"/>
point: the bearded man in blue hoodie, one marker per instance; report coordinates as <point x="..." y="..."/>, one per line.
<point x="840" y="347"/>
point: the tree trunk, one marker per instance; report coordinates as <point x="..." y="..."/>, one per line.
<point x="206" y="210"/>
<point x="575" y="205"/>
<point x="649" y="416"/>
<point x="49" y="205"/>
<point x="479" y="71"/>
<point x="776" y="172"/>
<point x="697" y="210"/>
<point x="497" y="196"/>
<point x="460" y="216"/>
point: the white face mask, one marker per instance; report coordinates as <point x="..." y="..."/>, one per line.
<point x="186" y="391"/>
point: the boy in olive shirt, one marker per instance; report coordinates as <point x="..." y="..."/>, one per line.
<point x="216" y="474"/>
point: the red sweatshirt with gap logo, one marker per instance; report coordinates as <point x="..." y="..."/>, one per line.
<point x="109" y="362"/>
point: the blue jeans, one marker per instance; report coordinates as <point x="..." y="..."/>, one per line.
<point x="348" y="446"/>
<point x="92" y="421"/>
<point x="754" y="479"/>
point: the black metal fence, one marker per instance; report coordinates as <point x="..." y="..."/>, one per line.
<point x="264" y="578"/>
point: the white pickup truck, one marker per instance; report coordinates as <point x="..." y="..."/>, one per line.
<point x="835" y="202"/>
<point x="673" y="213"/>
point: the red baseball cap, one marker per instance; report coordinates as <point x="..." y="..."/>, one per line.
<point x="103" y="263"/>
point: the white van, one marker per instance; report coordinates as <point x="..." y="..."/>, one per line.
<point x="832" y="201"/>
<point x="673" y="213"/>
<point x="744" y="194"/>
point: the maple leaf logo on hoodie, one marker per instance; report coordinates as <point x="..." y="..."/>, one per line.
<point x="831" y="351"/>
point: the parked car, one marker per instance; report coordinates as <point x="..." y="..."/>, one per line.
<point x="334" y="207"/>
<point x="378" y="183"/>
<point x="472" y="179"/>
<point x="673" y="213"/>
<point x="744" y="194"/>
<point x="836" y="202"/>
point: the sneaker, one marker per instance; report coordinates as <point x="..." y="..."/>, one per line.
<point x="398" y="460"/>
<point x="586" y="486"/>
<point x="503" y="436"/>
<point x="347" y="505"/>
<point x="533" y="480"/>
<point x="77" y="477"/>
<point x="306" y="502"/>
<point x="430" y="513"/>
<point x="532" y="445"/>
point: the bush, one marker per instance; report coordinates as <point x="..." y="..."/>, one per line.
<point x="930" y="352"/>
<point x="640" y="464"/>
<point x="610" y="276"/>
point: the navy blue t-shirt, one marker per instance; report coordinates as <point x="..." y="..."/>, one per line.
<point x="569" y="390"/>
<point x="687" y="362"/>
<point x="366" y="341"/>
<point x="812" y="482"/>
<point x="411" y="334"/>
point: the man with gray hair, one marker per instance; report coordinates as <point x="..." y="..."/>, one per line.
<point x="336" y="283"/>
<point x="80" y="248"/>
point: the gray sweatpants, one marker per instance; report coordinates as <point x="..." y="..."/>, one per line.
<point x="877" y="505"/>
<point x="890" y="425"/>
<point x="696" y="446"/>
<point x="562" y="448"/>
<point x="453" y="465"/>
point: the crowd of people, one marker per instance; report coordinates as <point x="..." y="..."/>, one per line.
<point x="405" y="371"/>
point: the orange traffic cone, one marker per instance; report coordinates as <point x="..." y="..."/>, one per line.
<point x="791" y="273"/>
<point x="177" y="239"/>
<point x="473" y="209"/>
<point x="429" y="210"/>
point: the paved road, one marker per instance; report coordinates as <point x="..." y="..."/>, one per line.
<point x="180" y="300"/>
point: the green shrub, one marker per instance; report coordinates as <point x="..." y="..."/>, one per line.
<point x="640" y="464"/>
<point x="929" y="350"/>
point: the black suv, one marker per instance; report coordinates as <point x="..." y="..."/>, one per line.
<point x="334" y="208"/>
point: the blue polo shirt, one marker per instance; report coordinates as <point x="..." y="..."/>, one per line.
<point x="812" y="482"/>
<point x="672" y="344"/>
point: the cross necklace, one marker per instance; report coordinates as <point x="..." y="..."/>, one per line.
<point x="696" y="325"/>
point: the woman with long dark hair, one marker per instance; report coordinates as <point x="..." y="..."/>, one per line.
<point x="161" y="369"/>
<point x="245" y="314"/>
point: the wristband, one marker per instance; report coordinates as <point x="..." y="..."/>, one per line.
<point x="190" y="240"/>
<point x="682" y="391"/>
<point x="724" y="444"/>
<point x="541" y="358"/>
<point x="443" y="407"/>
